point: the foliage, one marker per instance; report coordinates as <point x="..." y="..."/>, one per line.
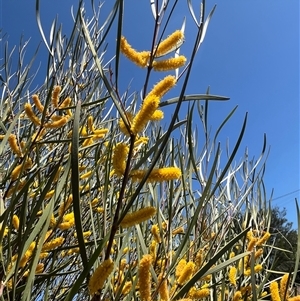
<point x="98" y="201"/>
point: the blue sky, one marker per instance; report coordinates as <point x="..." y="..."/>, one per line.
<point x="250" y="53"/>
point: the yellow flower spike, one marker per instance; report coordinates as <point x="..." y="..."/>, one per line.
<point x="296" y="298"/>
<point x="155" y="233"/>
<point x="186" y="273"/>
<point x="99" y="276"/>
<point x="90" y="122"/>
<point x="237" y="296"/>
<point x="258" y="253"/>
<point x="29" y="112"/>
<point x="100" y="131"/>
<point x="52" y="244"/>
<point x="252" y="244"/>
<point x="144" y="278"/>
<point x="66" y="103"/>
<point x="126" y="288"/>
<point x="178" y="230"/>
<point x="15" y="222"/>
<point x="86" y="175"/>
<point x="39" y="268"/>
<point x="169" y="64"/>
<point x="43" y="255"/>
<point x="141" y="140"/>
<point x="13" y="143"/>
<point x="58" y="123"/>
<point x="157" y="174"/>
<point x="283" y="286"/>
<point x="232" y="276"/>
<point x="249" y="235"/>
<point x="274" y="291"/>
<point x="139" y="58"/>
<point x="55" y="96"/>
<point x="231" y="255"/>
<point x="17" y="170"/>
<point x="49" y="194"/>
<point x="163" y="86"/>
<point x="87" y="142"/>
<point x="37" y="103"/>
<point x="198" y="294"/>
<point x="163" y="288"/>
<point x="171" y="43"/>
<point x="157" y="115"/>
<point x="179" y="268"/>
<point x="137" y="217"/>
<point x="143" y="116"/>
<point x="152" y="249"/>
<point x="120" y="153"/>
<point x="122" y="125"/>
<point x="65" y="205"/>
<point x="263" y="239"/>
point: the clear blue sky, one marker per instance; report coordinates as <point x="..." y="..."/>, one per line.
<point x="250" y="53"/>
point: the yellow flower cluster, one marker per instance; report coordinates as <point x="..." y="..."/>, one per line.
<point x="142" y="59"/>
<point x="137" y="217"/>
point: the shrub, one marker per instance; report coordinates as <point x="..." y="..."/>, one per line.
<point x="99" y="201"/>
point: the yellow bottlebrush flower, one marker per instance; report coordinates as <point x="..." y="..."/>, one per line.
<point x="126" y="288"/>
<point x="252" y="244"/>
<point x="157" y="174"/>
<point x="144" y="280"/>
<point x="232" y="275"/>
<point x="58" y="123"/>
<point x="296" y="298"/>
<point x="237" y="296"/>
<point x="199" y="259"/>
<point x="49" y="194"/>
<point x="258" y="253"/>
<point x="90" y="122"/>
<point x="169" y="64"/>
<point x="163" y="86"/>
<point x="119" y="158"/>
<point x="99" y="209"/>
<point x="163" y="288"/>
<point x="137" y="217"/>
<point x="171" y="43"/>
<point x="143" y="116"/>
<point x="17" y="170"/>
<point x="152" y="249"/>
<point x="258" y="268"/>
<point x="263" y="239"/>
<point x="65" y="205"/>
<point x="37" y="103"/>
<point x="157" y="115"/>
<point x="55" y="96"/>
<point x="125" y="250"/>
<point x="15" y="222"/>
<point x="249" y="235"/>
<point x="68" y="221"/>
<point x="85" y="233"/>
<point x="52" y="221"/>
<point x="155" y="233"/>
<point x="29" y="112"/>
<point x="139" y="58"/>
<point x="83" y="131"/>
<point x="43" y="255"/>
<point x="186" y="273"/>
<point x="66" y="103"/>
<point x="198" y="293"/>
<point x="178" y="230"/>
<point x="27" y="254"/>
<point x="87" y="142"/>
<point x="141" y="140"/>
<point x="100" y="132"/>
<point x="101" y="273"/>
<point x="283" y="286"/>
<point x="52" y="244"/>
<point x="179" y="268"/>
<point x="274" y="291"/>
<point x="94" y="202"/>
<point x="231" y="255"/>
<point x="86" y="175"/>
<point x="13" y="143"/>
<point x="122" y="125"/>
<point x="246" y="289"/>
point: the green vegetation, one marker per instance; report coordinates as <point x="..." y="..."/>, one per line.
<point x="99" y="202"/>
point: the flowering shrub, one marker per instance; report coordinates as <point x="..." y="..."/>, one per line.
<point x="99" y="202"/>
